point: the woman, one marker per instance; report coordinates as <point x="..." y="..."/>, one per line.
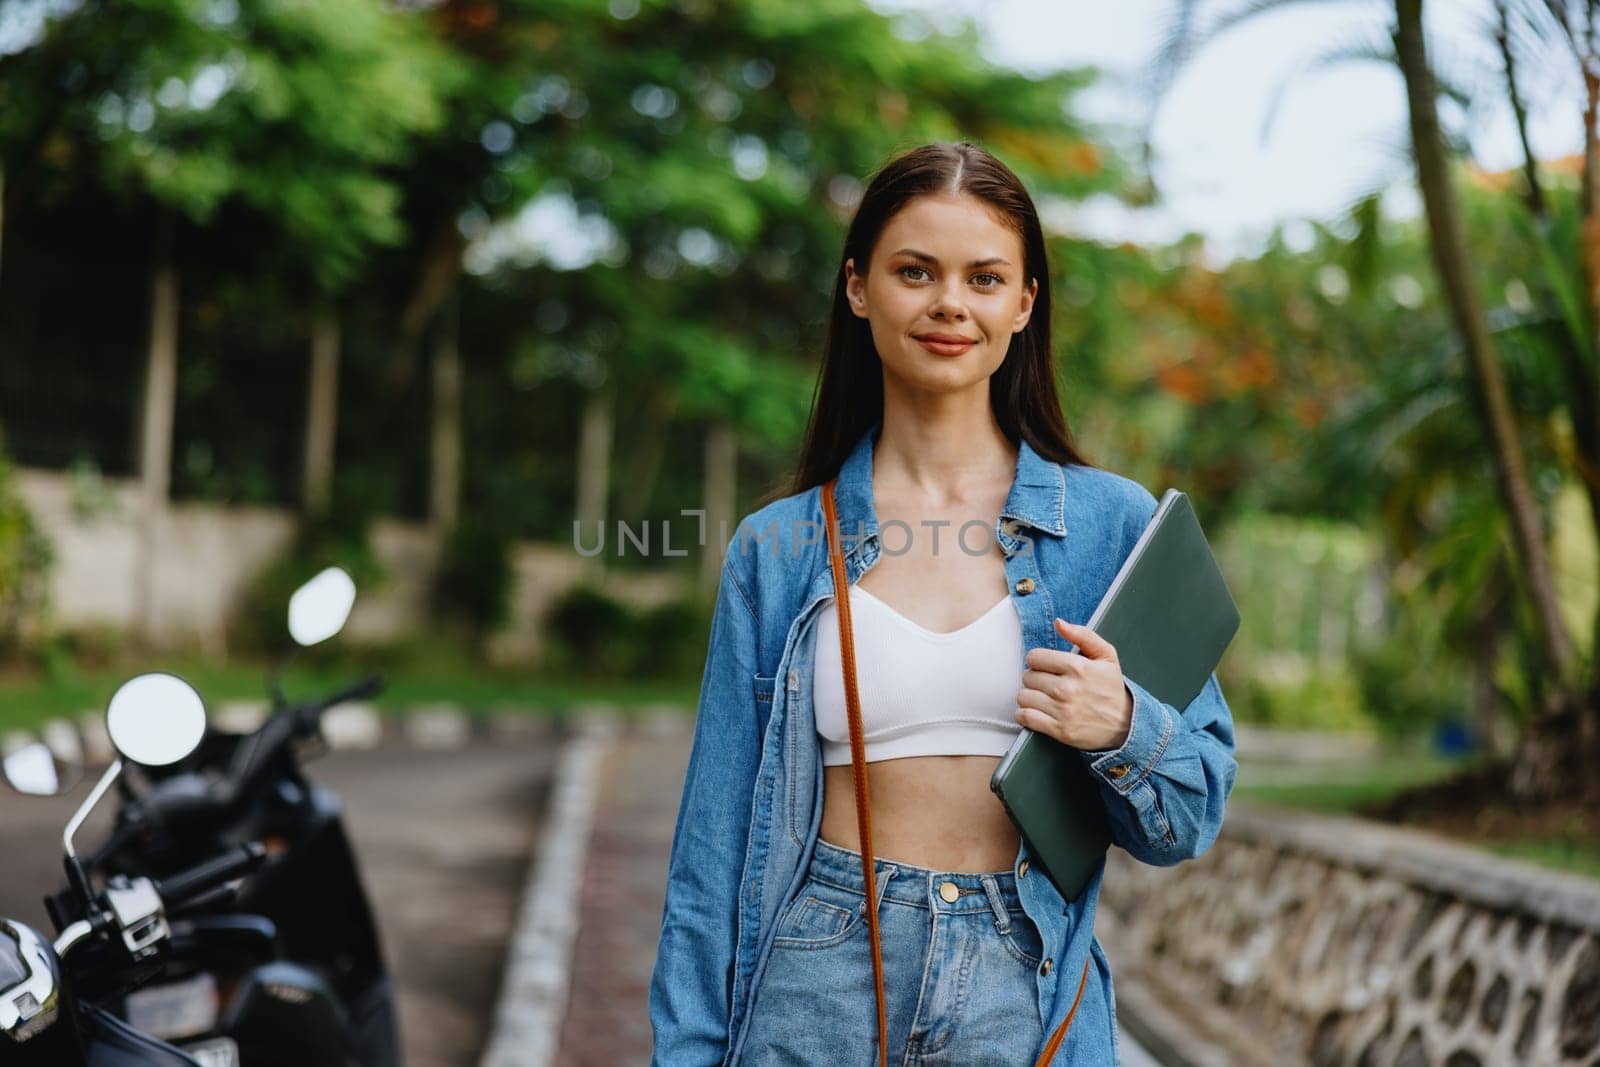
<point x="938" y="415"/>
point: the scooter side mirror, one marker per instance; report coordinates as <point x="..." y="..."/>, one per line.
<point x="36" y="771"/>
<point x="156" y="719"/>
<point x="320" y="608"/>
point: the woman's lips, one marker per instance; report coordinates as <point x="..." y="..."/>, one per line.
<point x="944" y="345"/>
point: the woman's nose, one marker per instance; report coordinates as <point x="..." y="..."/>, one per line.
<point x="947" y="304"/>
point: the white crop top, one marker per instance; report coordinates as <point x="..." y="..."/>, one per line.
<point x="922" y="692"/>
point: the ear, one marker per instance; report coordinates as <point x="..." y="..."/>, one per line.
<point x="855" y="289"/>
<point x="1026" y="311"/>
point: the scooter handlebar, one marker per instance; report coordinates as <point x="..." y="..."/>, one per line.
<point x="214" y="872"/>
<point x="257" y="753"/>
<point x="310" y="714"/>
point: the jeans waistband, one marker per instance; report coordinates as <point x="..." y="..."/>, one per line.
<point x="921" y="886"/>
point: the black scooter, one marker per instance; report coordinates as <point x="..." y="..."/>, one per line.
<point x="180" y="958"/>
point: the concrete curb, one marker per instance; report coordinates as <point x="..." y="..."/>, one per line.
<point x="526" y="1031"/>
<point x="352" y="726"/>
<point x="437" y="726"/>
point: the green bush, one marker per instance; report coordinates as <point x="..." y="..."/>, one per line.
<point x="88" y="646"/>
<point x="1408" y="693"/>
<point x="588" y="633"/>
<point x="26" y="558"/>
<point x="670" y="640"/>
<point x="592" y="635"/>
<point x="473" y="586"/>
<point x="1327" y="699"/>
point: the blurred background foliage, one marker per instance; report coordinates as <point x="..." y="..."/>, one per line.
<point x="622" y="219"/>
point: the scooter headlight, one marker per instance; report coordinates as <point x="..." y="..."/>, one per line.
<point x="29" y="985"/>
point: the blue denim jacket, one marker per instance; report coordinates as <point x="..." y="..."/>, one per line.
<point x="752" y="796"/>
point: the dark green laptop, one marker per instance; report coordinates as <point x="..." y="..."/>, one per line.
<point x="1169" y="616"/>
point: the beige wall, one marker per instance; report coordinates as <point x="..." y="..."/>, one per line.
<point x="208" y="554"/>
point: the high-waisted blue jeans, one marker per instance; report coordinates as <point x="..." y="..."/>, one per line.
<point x="959" y="963"/>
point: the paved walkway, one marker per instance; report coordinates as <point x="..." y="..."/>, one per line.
<point x="640" y="783"/>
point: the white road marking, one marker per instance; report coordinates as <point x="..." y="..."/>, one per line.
<point x="533" y="993"/>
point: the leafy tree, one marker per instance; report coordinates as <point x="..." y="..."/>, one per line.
<point x="1570" y="707"/>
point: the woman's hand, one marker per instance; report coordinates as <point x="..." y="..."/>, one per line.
<point x="1078" y="698"/>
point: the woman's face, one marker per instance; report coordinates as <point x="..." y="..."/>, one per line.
<point x="943" y="293"/>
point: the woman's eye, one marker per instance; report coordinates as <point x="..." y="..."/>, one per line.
<point x="984" y="279"/>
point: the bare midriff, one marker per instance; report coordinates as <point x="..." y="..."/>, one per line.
<point x="928" y="811"/>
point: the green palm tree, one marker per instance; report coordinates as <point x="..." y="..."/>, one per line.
<point x="1546" y="745"/>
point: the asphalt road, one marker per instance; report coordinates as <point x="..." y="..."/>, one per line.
<point x="444" y="838"/>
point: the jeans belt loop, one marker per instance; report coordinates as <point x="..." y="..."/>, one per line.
<point x="882" y="877"/>
<point x="1002" y="916"/>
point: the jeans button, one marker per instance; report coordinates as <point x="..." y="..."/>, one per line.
<point x="1025" y="586"/>
<point x="1044" y="968"/>
<point x="949" y="891"/>
<point x="1022" y="868"/>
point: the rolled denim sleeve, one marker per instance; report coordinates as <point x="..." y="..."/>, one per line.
<point x="1166" y="786"/>
<point x="691" y="988"/>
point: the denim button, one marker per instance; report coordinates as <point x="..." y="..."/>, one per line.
<point x="1025" y="586"/>
<point x="1118" y="771"/>
<point x="1044" y="968"/>
<point x="1022" y="868"/>
<point x="949" y="891"/>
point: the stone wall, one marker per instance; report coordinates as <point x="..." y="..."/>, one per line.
<point x="1310" y="939"/>
<point x="208" y="554"/>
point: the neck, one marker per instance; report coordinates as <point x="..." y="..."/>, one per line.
<point x="941" y="452"/>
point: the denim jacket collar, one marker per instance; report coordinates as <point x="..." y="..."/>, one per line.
<point x="1037" y="498"/>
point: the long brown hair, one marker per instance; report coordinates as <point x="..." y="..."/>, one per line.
<point x="849" y="395"/>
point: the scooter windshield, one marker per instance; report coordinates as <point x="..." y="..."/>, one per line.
<point x="13" y="969"/>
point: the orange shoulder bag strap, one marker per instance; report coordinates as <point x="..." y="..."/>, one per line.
<point x="858" y="768"/>
<point x="858" y="760"/>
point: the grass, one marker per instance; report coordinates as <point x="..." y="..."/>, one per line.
<point x="1347" y="790"/>
<point x="1562" y="854"/>
<point x="414" y="677"/>
<point x="1344" y="789"/>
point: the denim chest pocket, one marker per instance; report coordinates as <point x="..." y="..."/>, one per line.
<point x="821" y="915"/>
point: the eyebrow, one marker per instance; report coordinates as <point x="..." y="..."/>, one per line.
<point x="992" y="261"/>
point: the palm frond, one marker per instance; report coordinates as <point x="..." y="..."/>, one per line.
<point x="1182" y="38"/>
<point x="1460" y="77"/>
<point x="1177" y="45"/>
<point x="1561" y="16"/>
<point x="1531" y="22"/>
<point x="1256" y="8"/>
<point x="1360" y="50"/>
<point x="1364" y="249"/>
<point x="1394" y="164"/>
<point x="1564" y="284"/>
